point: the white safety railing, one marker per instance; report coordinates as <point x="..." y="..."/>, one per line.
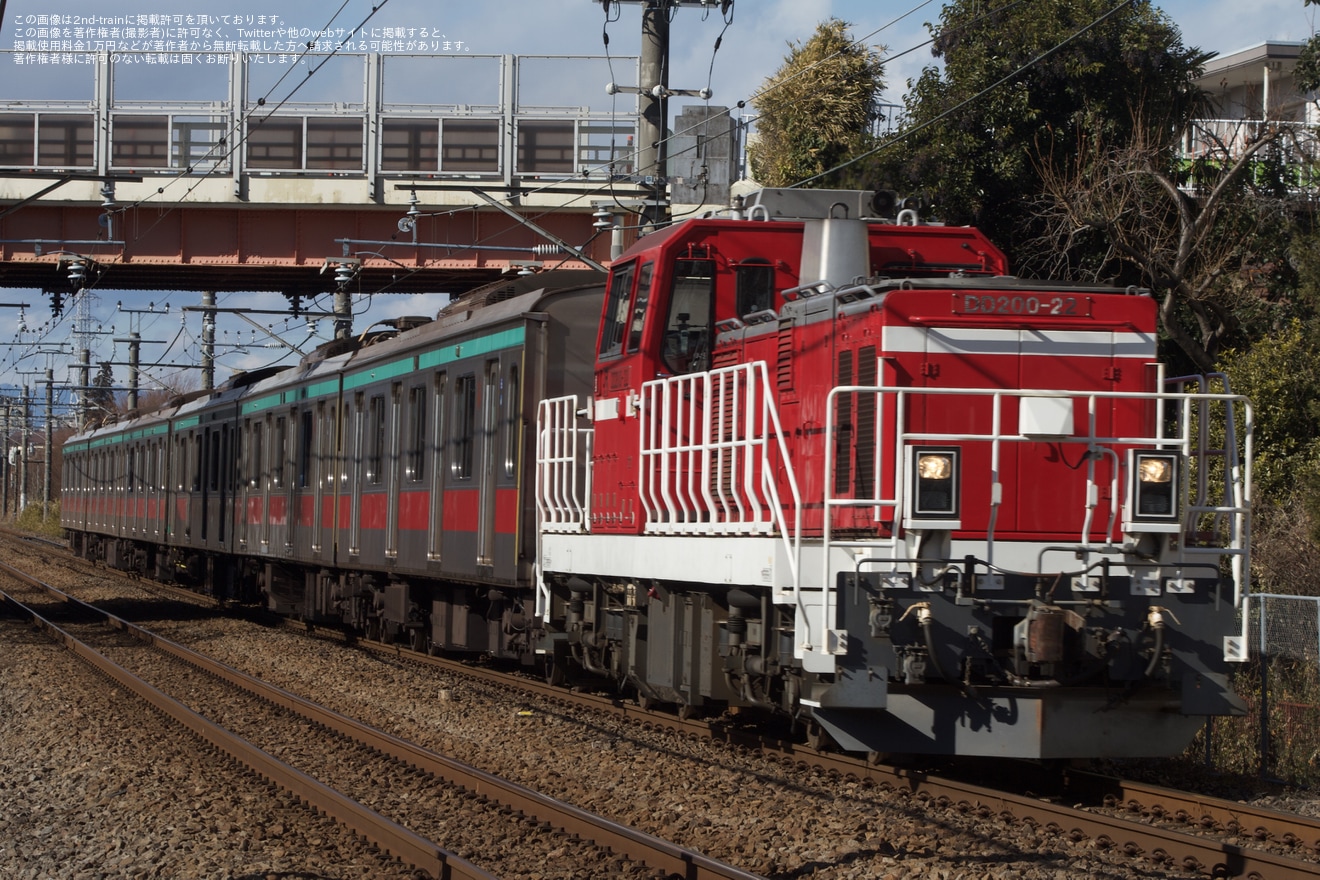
<point x="1189" y="435"/>
<point x="563" y="480"/>
<point x="713" y="455"/>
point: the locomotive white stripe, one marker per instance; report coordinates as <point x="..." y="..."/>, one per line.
<point x="1015" y="341"/>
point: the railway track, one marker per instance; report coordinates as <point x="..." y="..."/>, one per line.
<point x="1162" y="827"/>
<point x="1176" y="834"/>
<point x="353" y="773"/>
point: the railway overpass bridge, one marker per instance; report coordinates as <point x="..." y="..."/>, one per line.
<point x="306" y="174"/>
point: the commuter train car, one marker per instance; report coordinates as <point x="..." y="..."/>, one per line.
<point x="323" y="489"/>
<point x="839" y="467"/>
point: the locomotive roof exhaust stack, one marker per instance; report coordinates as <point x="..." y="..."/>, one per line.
<point x="836" y="251"/>
<point x="835" y="243"/>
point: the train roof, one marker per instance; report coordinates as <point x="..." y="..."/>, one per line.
<point x="899" y="250"/>
<point x="138" y="424"/>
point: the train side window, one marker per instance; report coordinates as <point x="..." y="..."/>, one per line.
<point x="255" y="477"/>
<point x="755" y="285"/>
<point x="197" y="462"/>
<point x="359" y="430"/>
<point x="512" y="421"/>
<point x="325" y="444"/>
<point x="415" y="466"/>
<point x="305" y="449"/>
<point x="376" y="439"/>
<point x="395" y="431"/>
<point x="213" y="461"/>
<point x="691" y="317"/>
<point x="465" y="418"/>
<point x="179" y="466"/>
<point x="617" y="302"/>
<point x="639" y="306"/>
<point x="280" y="453"/>
<point x="332" y="440"/>
<point x="225" y="463"/>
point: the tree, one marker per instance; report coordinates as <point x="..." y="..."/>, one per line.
<point x="1205" y="234"/>
<point x="1023" y="78"/>
<point x="1306" y="75"/>
<point x="817" y="109"/>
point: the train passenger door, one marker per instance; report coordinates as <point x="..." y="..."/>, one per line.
<point x="206" y="489"/>
<point x="301" y="517"/>
<point x="391" y="466"/>
<point x="489" y="450"/>
<point x="435" y="527"/>
<point x="247" y="484"/>
<point x="261" y="471"/>
<point x="413" y="497"/>
<point x="322" y="465"/>
<point x="359" y="428"/>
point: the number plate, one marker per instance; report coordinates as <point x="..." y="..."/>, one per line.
<point x="1028" y="305"/>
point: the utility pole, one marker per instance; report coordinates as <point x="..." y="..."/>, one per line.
<point x="4" y="502"/>
<point x="23" y="450"/>
<point x="84" y="379"/>
<point x="134" y="341"/>
<point x="653" y="152"/>
<point x="653" y="94"/>
<point x="50" y="419"/>
<point x="208" y="340"/>
<point x="343" y="314"/>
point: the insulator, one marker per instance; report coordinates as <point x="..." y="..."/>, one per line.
<point x="548" y="250"/>
<point x="343" y="273"/>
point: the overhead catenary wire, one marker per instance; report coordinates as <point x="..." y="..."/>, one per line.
<point x="234" y="143"/>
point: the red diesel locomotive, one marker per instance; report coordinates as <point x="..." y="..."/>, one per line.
<point x="840" y="468"/>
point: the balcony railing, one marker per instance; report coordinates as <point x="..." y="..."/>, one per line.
<point x="437" y="116"/>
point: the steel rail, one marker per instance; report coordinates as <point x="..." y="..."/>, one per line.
<point x="381" y="831"/>
<point x="1161" y="847"/>
<point x="621" y="839"/>
<point x="1211" y="813"/>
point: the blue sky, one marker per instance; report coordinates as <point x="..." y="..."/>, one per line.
<point x="751" y="47"/>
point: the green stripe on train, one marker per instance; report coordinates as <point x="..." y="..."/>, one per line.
<point x="473" y="347"/>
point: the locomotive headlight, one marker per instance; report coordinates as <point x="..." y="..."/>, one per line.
<point x="1154" y="487"/>
<point x="934" y="484"/>
<point x="934" y="466"/>
<point x="1154" y="470"/>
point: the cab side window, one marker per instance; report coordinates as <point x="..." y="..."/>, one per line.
<point x="756" y="286"/>
<point x="639" y="307"/>
<point x="691" y="319"/>
<point x="617" y="304"/>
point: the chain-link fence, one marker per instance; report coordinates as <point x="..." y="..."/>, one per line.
<point x="1284" y="626"/>
<point x="1279" y="737"/>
